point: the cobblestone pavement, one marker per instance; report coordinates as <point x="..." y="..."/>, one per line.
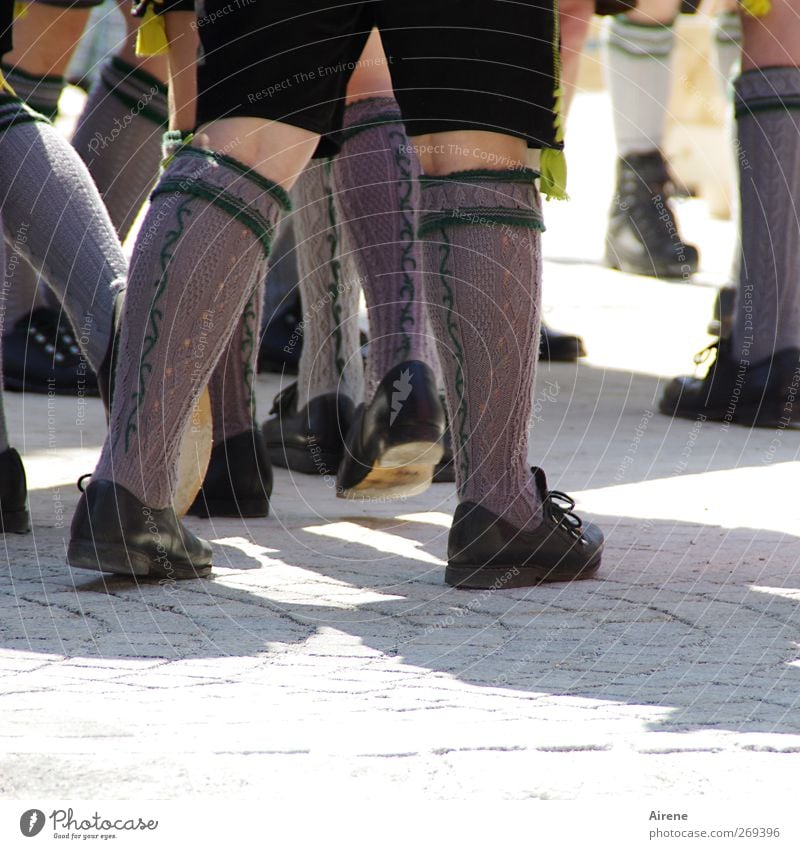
<point x="326" y="655"/>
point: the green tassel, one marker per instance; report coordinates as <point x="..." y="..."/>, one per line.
<point x="171" y="142"/>
<point x="554" y="174"/>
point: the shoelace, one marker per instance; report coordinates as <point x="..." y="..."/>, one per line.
<point x="560" y="506"/>
<point x="81" y="479"/>
<point x="701" y="356"/>
<point x="284" y="400"/>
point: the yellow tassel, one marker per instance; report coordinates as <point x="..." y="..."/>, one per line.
<point x="151" y="39"/>
<point x="6" y="86"/>
<point x="757" y="8"/>
<point x="20" y="10"/>
<point x="553" y="168"/>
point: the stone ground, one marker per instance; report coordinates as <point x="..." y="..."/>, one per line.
<point x="326" y="656"/>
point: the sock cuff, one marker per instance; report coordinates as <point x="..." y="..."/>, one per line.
<point x="775" y="89"/>
<point x="368" y="113"/>
<point x="228" y="185"/>
<point x="640" y="41"/>
<point x="137" y="90"/>
<point x="13" y="111"/>
<point x="481" y="197"/>
<point x="41" y="93"/>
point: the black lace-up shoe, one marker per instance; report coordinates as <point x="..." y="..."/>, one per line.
<point x="484" y="551"/>
<point x="642" y="235"/>
<point x="762" y="394"/>
<point x="310" y="440"/>
<point x="558" y="347"/>
<point x="112" y="531"/>
<point x="238" y="481"/>
<point x="13" y="494"/>
<point x="41" y="355"/>
<point x="394" y="442"/>
<point x="445" y="471"/>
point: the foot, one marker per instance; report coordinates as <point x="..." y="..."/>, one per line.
<point x="761" y="394"/>
<point x="310" y="440"/>
<point x="642" y="235"/>
<point x="484" y="551"/>
<point x="113" y="531"/>
<point x="238" y="482"/>
<point x="14" y="517"/>
<point x="558" y="347"/>
<point x="41" y="355"/>
<point x="394" y="442"/>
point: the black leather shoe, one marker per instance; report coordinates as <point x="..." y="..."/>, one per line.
<point x="485" y="551"/>
<point x="558" y="347"/>
<point x="642" y="235"/>
<point x="762" y="394"/>
<point x="445" y="470"/>
<point x="311" y="440"/>
<point x="394" y="442"/>
<point x="112" y="531"/>
<point x="238" y="480"/>
<point x="13" y="494"/>
<point x="41" y="354"/>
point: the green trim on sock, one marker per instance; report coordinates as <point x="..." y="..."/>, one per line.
<point x="246" y="350"/>
<point x="448" y="302"/>
<point x="334" y="289"/>
<point x="378" y="121"/>
<point x="238" y="209"/>
<point x="138" y="73"/>
<point x="408" y="264"/>
<point x="9" y="71"/>
<point x="767" y="104"/>
<point x="480" y="217"/>
<point x="14" y="111"/>
<point x="483" y="175"/>
<point x="154" y="319"/>
<point x="626" y="22"/>
<point x="264" y="183"/>
<point x="160" y="119"/>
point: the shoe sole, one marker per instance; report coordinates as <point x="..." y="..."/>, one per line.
<point x="401" y="472"/>
<point x="229" y="509"/>
<point x="512" y="576"/>
<point x="118" y="560"/>
<point x="18" y="522"/>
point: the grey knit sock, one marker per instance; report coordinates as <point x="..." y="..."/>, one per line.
<point x="55" y="218"/>
<point x="768" y="120"/>
<point x="481" y="233"/>
<point x="119" y="137"/>
<point x="331" y="358"/>
<point x="199" y="257"/>
<point x="3" y="430"/>
<point x="232" y="384"/>
<point x="377" y="191"/>
<point x="40" y="93"/>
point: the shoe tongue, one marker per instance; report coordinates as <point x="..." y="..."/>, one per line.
<point x="540" y="479"/>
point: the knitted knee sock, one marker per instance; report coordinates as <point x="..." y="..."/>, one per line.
<point x="331" y="358"/>
<point x="481" y="233"/>
<point x="40" y="93"/>
<point x="231" y="387"/>
<point x="54" y="217"/>
<point x="119" y="137"/>
<point x="768" y="121"/>
<point x="377" y="192"/>
<point x="638" y="61"/>
<point x="199" y="256"/>
<point x="3" y="429"/>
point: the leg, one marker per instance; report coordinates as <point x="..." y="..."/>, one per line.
<point x="642" y="235"/>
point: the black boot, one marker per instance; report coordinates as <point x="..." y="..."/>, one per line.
<point x="310" y="440"/>
<point x="112" y="531"/>
<point x="485" y="551"/>
<point x="394" y="442"/>
<point x="642" y="234"/>
<point x="238" y="481"/>
<point x="13" y="494"/>
<point x="558" y="347"/>
<point x="763" y="394"/>
<point x="41" y="354"/>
